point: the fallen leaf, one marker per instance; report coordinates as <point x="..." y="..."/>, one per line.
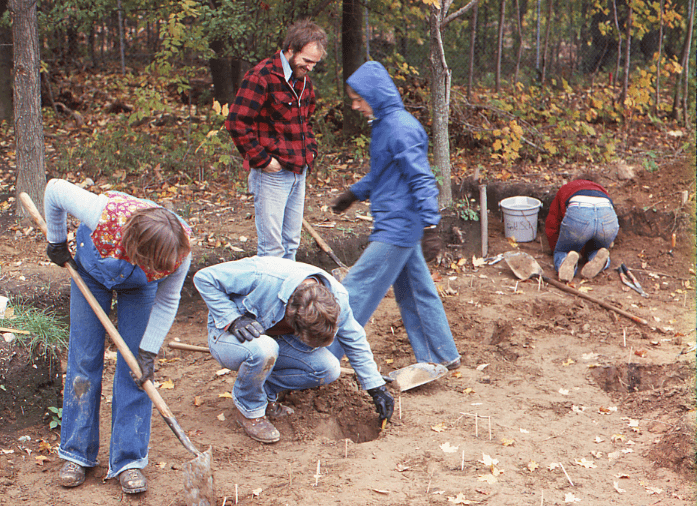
<point x="226" y="395"/>
<point x="597" y="455"/>
<point x="570" y="497"/>
<point x="588" y="464"/>
<point x="584" y="289"/>
<point x="553" y="466"/>
<point x="198" y="401"/>
<point x="44" y="445"/>
<point x="641" y="353"/>
<point x="448" y="448"/>
<point x="459" y="499"/>
<point x="568" y="361"/>
<point x="488" y="461"/>
<point x="456" y="374"/>
<point x="438" y="428"/>
<point x="401" y="468"/>
<point x="524" y="431"/>
<point x="481" y="367"/>
<point x="222" y="372"/>
<point x="477" y="262"/>
<point x="532" y="465"/>
<point x="589" y="356"/>
<point x="385" y="492"/>
<point x="468" y="391"/>
<point x="6" y="452"/>
<point x="161" y="465"/>
<point x="598" y="439"/>
<point x="617" y="438"/>
<point x="167" y="385"/>
<point x="40" y="459"/>
<point x="256" y="492"/>
<point x="653" y="490"/>
<point x="507" y="441"/>
<point x="577" y="409"/>
<point x="614" y="455"/>
<point x="563" y="391"/>
<point x="221" y="417"/>
<point x="617" y="487"/>
<point x="489" y="478"/>
<point x="389" y="361"/>
<point x="622" y="476"/>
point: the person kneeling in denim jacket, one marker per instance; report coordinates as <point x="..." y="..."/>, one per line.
<point x="271" y="320"/>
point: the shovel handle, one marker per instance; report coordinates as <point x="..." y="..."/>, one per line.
<point x="125" y="351"/>
<point x="323" y="245"/>
<point x="602" y="303"/>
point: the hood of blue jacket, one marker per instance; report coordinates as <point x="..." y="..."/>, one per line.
<point x="372" y="82"/>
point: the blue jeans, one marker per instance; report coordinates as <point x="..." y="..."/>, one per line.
<point x="131" y="408"/>
<point x="586" y="226"/>
<point x="268" y="365"/>
<point x="382" y="265"/>
<point x="279" y="200"/>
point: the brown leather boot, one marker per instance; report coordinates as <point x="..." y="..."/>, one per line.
<point x="71" y="474"/>
<point x="132" y="481"/>
<point x="259" y="429"/>
<point x="278" y="410"/>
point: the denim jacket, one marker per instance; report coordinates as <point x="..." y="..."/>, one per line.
<point x="262" y="286"/>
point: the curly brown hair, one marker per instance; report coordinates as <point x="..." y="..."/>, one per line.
<point x="155" y="239"/>
<point x="302" y="33"/>
<point x="313" y="314"/>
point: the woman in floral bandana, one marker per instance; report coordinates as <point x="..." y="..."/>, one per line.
<point x="141" y="252"/>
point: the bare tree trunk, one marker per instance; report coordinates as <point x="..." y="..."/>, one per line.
<point x="5" y="68"/>
<point x="351" y="42"/>
<point x="440" y="100"/>
<point x="685" y="71"/>
<point x="121" y="49"/>
<point x="619" y="41"/>
<point x="29" y="130"/>
<point x="658" y="62"/>
<point x="546" y="47"/>
<point x="519" y="29"/>
<point x="627" y="61"/>
<point x="473" y="41"/>
<point x="499" y="44"/>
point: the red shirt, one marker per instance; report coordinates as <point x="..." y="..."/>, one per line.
<point x="557" y="209"/>
<point x="269" y="118"/>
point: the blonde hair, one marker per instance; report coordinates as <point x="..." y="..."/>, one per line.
<point x="155" y="239"/>
<point x="313" y="313"/>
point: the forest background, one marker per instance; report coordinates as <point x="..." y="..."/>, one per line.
<point x="136" y="91"/>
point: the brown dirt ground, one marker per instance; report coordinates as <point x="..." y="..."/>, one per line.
<point x="572" y="400"/>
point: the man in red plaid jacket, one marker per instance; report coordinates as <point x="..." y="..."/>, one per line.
<point x="269" y="122"/>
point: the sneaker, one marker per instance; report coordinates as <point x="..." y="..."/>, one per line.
<point x="71" y="474"/>
<point x="278" y="410"/>
<point x="259" y="429"/>
<point x="133" y="481"/>
<point x="567" y="269"/>
<point x="593" y="268"/>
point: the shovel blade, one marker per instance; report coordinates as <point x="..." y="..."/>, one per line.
<point x="523" y="265"/>
<point x="417" y="374"/>
<point x="198" y="481"/>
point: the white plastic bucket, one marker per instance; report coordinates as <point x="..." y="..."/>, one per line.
<point x="520" y="217"/>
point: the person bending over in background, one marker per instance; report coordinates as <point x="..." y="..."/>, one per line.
<point x="269" y="122"/>
<point x="271" y="319"/>
<point x="141" y="252"/>
<point x="581" y="223"/>
<point x="404" y="204"/>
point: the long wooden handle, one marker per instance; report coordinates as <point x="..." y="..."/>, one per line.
<point x="126" y="353"/>
<point x="602" y="303"/>
<point x="188" y="347"/>
<point x="323" y="245"/>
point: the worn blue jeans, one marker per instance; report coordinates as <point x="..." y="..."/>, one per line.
<point x="279" y="201"/>
<point x="267" y="366"/>
<point x="589" y="226"/>
<point x="382" y="265"/>
<point x="131" y="408"/>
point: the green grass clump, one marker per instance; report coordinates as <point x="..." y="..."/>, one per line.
<point x="49" y="334"/>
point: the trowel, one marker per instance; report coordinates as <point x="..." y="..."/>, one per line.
<point x="415" y="375"/>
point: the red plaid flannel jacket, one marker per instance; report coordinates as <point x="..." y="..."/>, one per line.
<point x="270" y="119"/>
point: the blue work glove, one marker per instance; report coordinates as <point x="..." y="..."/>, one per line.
<point x="246" y="328"/>
<point x="384" y="402"/>
<point x="146" y="362"/>
<point x="59" y="254"/>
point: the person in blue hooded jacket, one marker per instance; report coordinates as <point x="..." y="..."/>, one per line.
<point x="404" y="203"/>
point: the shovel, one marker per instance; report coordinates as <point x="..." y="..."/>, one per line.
<point x="340" y="272"/>
<point x="524" y="266"/>
<point x="198" y="480"/>
<point x="405" y="378"/>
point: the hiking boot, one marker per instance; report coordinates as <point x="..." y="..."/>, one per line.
<point x="133" y="481"/>
<point x="278" y="410"/>
<point x="593" y="268"/>
<point x="567" y="269"/>
<point x="455" y="364"/>
<point x="259" y="429"/>
<point x="71" y="474"/>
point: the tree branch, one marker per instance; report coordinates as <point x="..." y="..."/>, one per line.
<point x="459" y="12"/>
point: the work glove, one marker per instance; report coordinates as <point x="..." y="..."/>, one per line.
<point x="430" y="244"/>
<point x="343" y="201"/>
<point x="146" y="362"/>
<point x="384" y="402"/>
<point x="59" y="254"/>
<point x="246" y="328"/>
